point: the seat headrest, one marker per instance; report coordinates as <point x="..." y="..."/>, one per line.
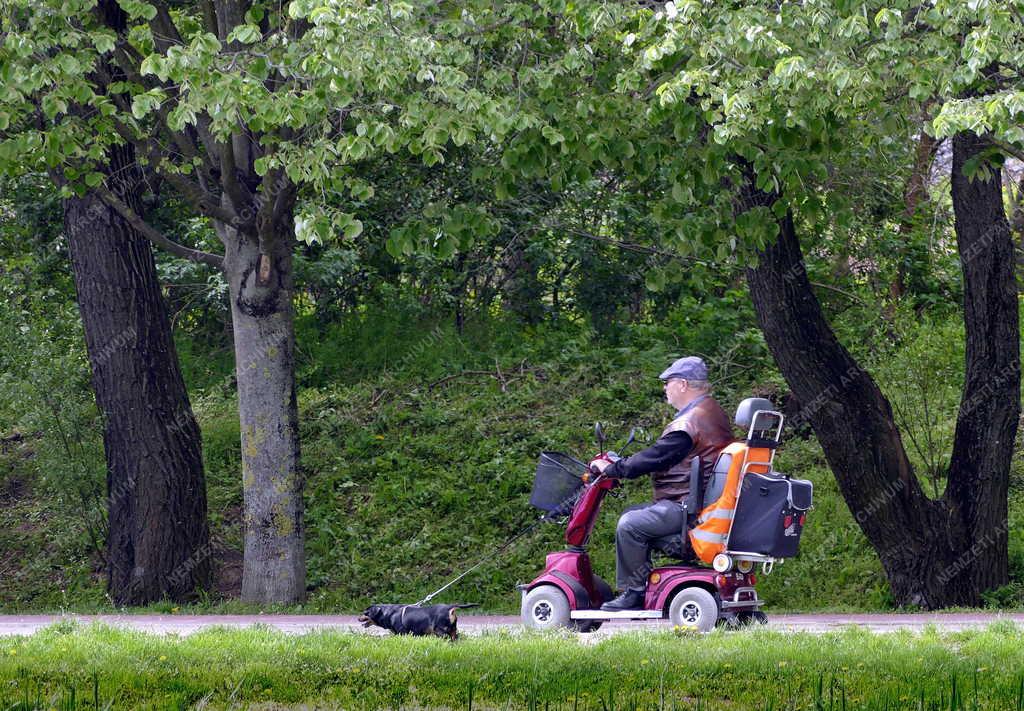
<point x="745" y="412"/>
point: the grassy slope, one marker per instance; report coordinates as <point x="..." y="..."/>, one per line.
<point x="409" y="484"/>
<point x="751" y="669"/>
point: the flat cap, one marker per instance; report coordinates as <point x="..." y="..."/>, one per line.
<point x="690" y="368"/>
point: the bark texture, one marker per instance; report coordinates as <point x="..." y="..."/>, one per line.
<point x="158" y="542"/>
<point x="261" y="288"/>
<point x="990" y="407"/>
<point x="935" y="553"/>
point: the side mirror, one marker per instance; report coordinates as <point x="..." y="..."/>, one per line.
<point x="599" y="433"/>
<point x="631" y="438"/>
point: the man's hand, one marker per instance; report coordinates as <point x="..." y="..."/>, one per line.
<point x="600" y="463"/>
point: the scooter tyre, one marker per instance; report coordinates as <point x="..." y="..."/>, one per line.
<point x="545" y="608"/>
<point x="695" y="609"/>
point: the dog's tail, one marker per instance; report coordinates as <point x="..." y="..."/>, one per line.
<point x="453" y="614"/>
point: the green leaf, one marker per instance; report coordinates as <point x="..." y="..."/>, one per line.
<point x="208" y="42"/>
<point x="353" y="228"/>
<point x="137" y="9"/>
<point x="789" y="66"/>
<point x="143" y="104"/>
<point x="360" y="190"/>
<point x="254" y="15"/>
<point x="552" y="134"/>
<point x="682" y="193"/>
<point x="68" y="64"/>
<point x="94" y="179"/>
<point x="53" y="105"/>
<point x="654" y="280"/>
<point x="153" y="64"/>
<point x="445" y="247"/>
<point x="888" y="16"/>
<point x="399" y="243"/>
<point x="299" y="9"/>
<point x="103" y="42"/>
<point x="246" y="34"/>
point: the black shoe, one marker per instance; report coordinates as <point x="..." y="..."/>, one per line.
<point x="628" y="600"/>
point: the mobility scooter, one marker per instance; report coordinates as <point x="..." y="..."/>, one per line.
<point x="746" y="514"/>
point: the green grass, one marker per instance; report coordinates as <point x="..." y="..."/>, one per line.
<point x="750" y="669"/>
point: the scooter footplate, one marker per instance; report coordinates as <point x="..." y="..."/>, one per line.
<point x="623" y="615"/>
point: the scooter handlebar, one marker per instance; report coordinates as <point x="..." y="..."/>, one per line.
<point x="607" y="457"/>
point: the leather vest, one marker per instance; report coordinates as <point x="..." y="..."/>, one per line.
<point x="711" y="431"/>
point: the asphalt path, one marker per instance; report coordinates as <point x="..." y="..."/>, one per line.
<point x="477" y="624"/>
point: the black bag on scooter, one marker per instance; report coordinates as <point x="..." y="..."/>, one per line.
<point x="770" y="514"/>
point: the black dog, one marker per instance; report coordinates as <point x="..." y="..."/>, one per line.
<point x="440" y="620"/>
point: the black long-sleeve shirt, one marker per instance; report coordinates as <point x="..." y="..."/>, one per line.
<point x="670" y="449"/>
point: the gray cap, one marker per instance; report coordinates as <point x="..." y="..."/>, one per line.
<point x="690" y="368"/>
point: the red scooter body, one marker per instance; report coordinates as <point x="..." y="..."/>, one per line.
<point x="569" y="571"/>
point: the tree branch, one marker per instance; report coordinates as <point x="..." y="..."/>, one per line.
<point x="154" y="235"/>
<point x="229" y="174"/>
<point x="203" y="200"/>
<point x="127" y="59"/>
<point x="276" y="194"/>
<point x="163" y="30"/>
<point x="1009" y="150"/>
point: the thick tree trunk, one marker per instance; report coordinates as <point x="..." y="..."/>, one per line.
<point x="990" y="407"/>
<point x="158" y="544"/>
<point x="935" y="553"/>
<point x="853" y="422"/>
<point x="274" y="568"/>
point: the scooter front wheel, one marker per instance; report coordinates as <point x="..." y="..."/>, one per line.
<point x="545" y="608"/>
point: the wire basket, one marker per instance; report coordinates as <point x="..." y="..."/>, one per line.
<point x="557" y="482"/>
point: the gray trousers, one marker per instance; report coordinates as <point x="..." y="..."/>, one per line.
<point x="638" y="528"/>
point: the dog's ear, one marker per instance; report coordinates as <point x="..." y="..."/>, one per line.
<point x="367" y="617"/>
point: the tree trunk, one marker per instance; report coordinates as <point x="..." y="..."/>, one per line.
<point x="935" y="553"/>
<point x="261" y="288"/>
<point x="990" y="406"/>
<point x="158" y="543"/>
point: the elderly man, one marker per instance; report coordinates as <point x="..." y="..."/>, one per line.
<point x="700" y="428"/>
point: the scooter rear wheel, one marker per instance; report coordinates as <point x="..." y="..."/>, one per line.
<point x="545" y="608"/>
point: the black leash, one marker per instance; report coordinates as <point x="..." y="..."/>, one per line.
<point x="496" y="553"/>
